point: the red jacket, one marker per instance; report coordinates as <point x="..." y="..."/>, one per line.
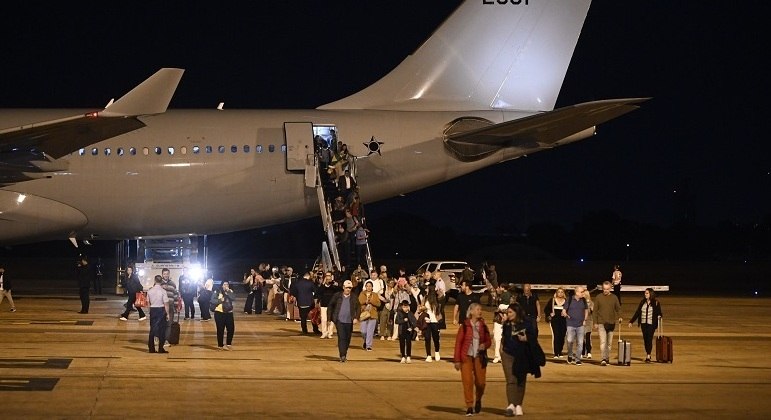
<point x="466" y="336"/>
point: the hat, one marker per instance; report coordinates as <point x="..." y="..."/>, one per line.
<point x="502" y="307"/>
<point x="348" y="283"/>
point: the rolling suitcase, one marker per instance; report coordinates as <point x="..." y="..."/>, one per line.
<point x="174" y="334"/>
<point x="663" y="346"/>
<point x="624" y="350"/>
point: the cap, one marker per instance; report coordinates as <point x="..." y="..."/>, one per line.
<point x="348" y="283"/>
<point x="502" y="307"/>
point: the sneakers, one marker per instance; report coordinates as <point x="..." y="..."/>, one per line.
<point x="429" y="359"/>
<point x="518" y="410"/>
<point x="603" y="362"/>
<point x="409" y="360"/>
<point x="578" y="363"/>
<point x="228" y="347"/>
<point x="342" y="359"/>
<point x="648" y="358"/>
<point x="123" y="318"/>
<point x="143" y="318"/>
<point x="220" y="348"/>
<point x="555" y="357"/>
<point x="469" y="412"/>
<point x="404" y="360"/>
<point x="323" y="336"/>
<point x="382" y="338"/>
<point x="570" y="360"/>
<point x="478" y="406"/>
<point x="510" y="410"/>
<point x="437" y="357"/>
<point x="369" y="348"/>
<point x="497" y="360"/>
<point x="588" y="355"/>
<point x="13" y="310"/>
<point x="186" y="318"/>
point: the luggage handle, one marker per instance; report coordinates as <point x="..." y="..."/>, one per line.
<point x="619" y="332"/>
<point x="661" y="326"/>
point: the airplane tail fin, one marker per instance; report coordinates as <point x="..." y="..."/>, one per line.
<point x="484" y="56"/>
<point x="149" y="97"/>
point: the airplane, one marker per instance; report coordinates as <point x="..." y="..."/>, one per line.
<point x="480" y="91"/>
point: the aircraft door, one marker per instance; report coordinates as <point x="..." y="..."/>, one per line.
<point x="299" y="144"/>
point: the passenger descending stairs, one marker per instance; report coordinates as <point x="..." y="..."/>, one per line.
<point x="330" y="255"/>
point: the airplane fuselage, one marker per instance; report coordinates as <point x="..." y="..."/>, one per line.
<point x="209" y="171"/>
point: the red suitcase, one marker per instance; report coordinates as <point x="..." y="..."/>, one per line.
<point x="663" y="346"/>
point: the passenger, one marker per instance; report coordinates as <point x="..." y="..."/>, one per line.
<point x="505" y="296"/>
<point x="557" y="321"/>
<point x="647" y="314"/>
<point x="343" y="311"/>
<point x="416" y="292"/>
<point x="491" y="279"/>
<point x="223" y="315"/>
<point x="158" y="300"/>
<point x="204" y="297"/>
<point x="529" y="302"/>
<point x="406" y="323"/>
<point x="387" y="310"/>
<point x="498" y="317"/>
<point x="253" y="287"/>
<point x="303" y="290"/>
<point x="463" y="302"/>
<point x="586" y="353"/>
<point x="441" y="295"/>
<point x="402" y="293"/>
<point x="133" y="285"/>
<point x="369" y="302"/>
<point x="188" y="289"/>
<point x="607" y="311"/>
<point x="171" y="291"/>
<point x="361" y="236"/>
<point x="328" y="288"/>
<point x="616" y="278"/>
<point x="5" y="289"/>
<point x="287" y="279"/>
<point x="521" y="355"/>
<point x="346" y="184"/>
<point x="576" y="312"/>
<point x="434" y="316"/>
<point x="471" y="344"/>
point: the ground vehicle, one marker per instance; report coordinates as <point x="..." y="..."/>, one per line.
<point x="451" y="273"/>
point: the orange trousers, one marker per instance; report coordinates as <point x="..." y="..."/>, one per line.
<point x="473" y="375"/>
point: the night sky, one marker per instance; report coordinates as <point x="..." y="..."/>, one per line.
<point x="700" y="140"/>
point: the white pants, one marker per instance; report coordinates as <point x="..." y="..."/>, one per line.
<point x="497" y="336"/>
<point x="327" y="326"/>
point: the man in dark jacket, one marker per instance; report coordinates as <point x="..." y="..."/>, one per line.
<point x="86" y="277"/>
<point x="303" y="291"/>
<point x="5" y="289"/>
<point x="133" y="285"/>
<point x="344" y="310"/>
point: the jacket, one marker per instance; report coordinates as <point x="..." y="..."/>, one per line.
<point x="133" y="285"/>
<point x="333" y="310"/>
<point x="405" y="324"/>
<point x="465" y="337"/>
<point x="221" y="296"/>
<point x="656" y="313"/>
<point x="374" y="301"/>
<point x="6" y="283"/>
<point x="303" y="290"/>
<point x="528" y="355"/>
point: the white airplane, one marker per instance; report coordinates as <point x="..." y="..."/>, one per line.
<point x="480" y="91"/>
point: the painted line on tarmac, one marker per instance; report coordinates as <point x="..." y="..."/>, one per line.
<point x="39" y="364"/>
<point x="27" y="384"/>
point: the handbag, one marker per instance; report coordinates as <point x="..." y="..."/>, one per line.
<point x="227" y="305"/>
<point x="483" y="359"/>
<point x="315" y="316"/>
<point x="178" y="304"/>
<point x="140" y="300"/>
<point x="365" y="315"/>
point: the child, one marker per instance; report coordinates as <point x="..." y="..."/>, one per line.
<point x="406" y="322"/>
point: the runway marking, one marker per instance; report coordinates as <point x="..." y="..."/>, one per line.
<point x="46" y="322"/>
<point x="27" y="384"/>
<point x="31" y="363"/>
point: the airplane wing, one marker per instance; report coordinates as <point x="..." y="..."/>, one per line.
<point x="536" y="132"/>
<point x="29" y="151"/>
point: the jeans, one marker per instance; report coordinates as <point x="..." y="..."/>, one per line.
<point x="368" y="331"/>
<point x="606" y="341"/>
<point x="189" y="306"/>
<point x="575" y="334"/>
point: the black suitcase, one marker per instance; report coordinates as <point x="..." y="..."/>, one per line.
<point x="174" y="333"/>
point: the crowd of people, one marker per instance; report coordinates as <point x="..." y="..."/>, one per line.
<point x="408" y="308"/>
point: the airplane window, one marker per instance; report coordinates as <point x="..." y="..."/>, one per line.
<point x="246" y="148"/>
<point x="94" y="151"/>
<point x="208" y="149"/>
<point x="258" y="148"/>
<point x="157" y="150"/>
<point x="196" y="150"/>
<point x="221" y="149"/>
<point x="145" y="151"/>
<point x="271" y="148"/>
<point x="120" y="151"/>
<point x="170" y="150"/>
<point x="107" y="151"/>
<point x="234" y="149"/>
<point x="132" y="151"/>
<point x="183" y="150"/>
<point x="82" y="152"/>
<point x="283" y="148"/>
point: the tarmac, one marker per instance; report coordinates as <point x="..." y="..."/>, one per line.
<point x="57" y="363"/>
